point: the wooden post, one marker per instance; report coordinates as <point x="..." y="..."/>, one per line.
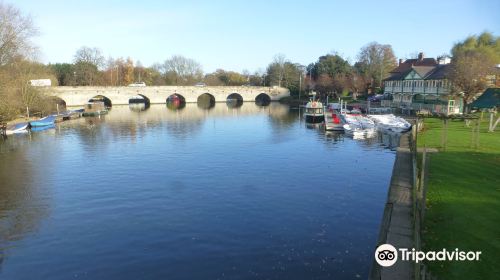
<point x="422" y="185"/>
<point x="472" y="139"/>
<point x="478" y="130"/>
<point x="57" y="106"/>
<point x="28" y="112"/>
<point x="442" y="134"/>
<point x="446" y="134"/>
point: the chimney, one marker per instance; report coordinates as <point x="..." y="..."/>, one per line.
<point x="400" y="61"/>
<point x="420" y="56"/>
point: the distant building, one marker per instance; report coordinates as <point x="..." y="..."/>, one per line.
<point x="422" y="84"/>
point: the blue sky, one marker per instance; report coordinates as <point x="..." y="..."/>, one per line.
<point x="237" y="35"/>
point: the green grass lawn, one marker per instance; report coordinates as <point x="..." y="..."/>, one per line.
<point x="463" y="200"/>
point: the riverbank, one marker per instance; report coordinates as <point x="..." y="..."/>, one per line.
<point x="397" y="223"/>
<point x="463" y="199"/>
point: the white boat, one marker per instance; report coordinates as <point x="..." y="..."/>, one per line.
<point x="390" y="122"/>
<point x="359" y="126"/>
<point x="357" y="122"/>
<point x="18" y="129"/>
<point x="314" y="111"/>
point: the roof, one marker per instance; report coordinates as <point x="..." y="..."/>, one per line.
<point x="489" y="99"/>
<point x="398" y="75"/>
<point x="422" y="71"/>
<point x="414" y="62"/>
<point x="439" y="72"/>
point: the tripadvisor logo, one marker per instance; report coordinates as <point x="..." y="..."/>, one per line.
<point x="387" y="255"/>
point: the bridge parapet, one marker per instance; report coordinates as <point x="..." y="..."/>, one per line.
<point x="78" y="96"/>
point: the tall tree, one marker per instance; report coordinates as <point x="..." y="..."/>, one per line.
<point x="376" y="61"/>
<point x="65" y="73"/>
<point x="16" y="31"/>
<point x="180" y="70"/>
<point x="89" y="55"/>
<point x="331" y="65"/>
<point x="284" y="73"/>
<point x="279" y="62"/>
<point x="473" y="61"/>
<point x="128" y="71"/>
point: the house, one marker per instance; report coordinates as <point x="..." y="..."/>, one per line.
<point x="421" y="84"/>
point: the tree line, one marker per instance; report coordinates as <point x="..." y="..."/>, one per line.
<point x="331" y="75"/>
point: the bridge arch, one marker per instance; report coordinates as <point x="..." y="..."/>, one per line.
<point x="139" y="98"/>
<point x="206" y="101"/>
<point x="102" y="98"/>
<point x="57" y="104"/>
<point x="234" y="100"/>
<point x="139" y="103"/>
<point x="176" y="101"/>
<point x="263" y="99"/>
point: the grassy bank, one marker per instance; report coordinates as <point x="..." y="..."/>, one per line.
<point x="463" y="199"/>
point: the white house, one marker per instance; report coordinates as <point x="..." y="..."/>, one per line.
<point x="422" y="84"/>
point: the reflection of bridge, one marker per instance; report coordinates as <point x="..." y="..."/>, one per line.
<point x="78" y="96"/>
<point x="191" y="112"/>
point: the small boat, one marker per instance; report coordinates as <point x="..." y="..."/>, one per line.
<point x="359" y="126"/>
<point x="49" y="120"/>
<point x="18" y="128"/>
<point x="389" y="122"/>
<point x="95" y="108"/>
<point x="42" y="128"/>
<point x="314" y="111"/>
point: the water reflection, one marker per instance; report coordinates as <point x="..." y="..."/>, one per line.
<point x="176" y="102"/>
<point x="206" y="101"/>
<point x="24" y="199"/>
<point x="138" y="107"/>
<point x="234" y="103"/>
<point x="166" y="193"/>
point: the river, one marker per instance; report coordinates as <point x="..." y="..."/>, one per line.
<point x="225" y="193"/>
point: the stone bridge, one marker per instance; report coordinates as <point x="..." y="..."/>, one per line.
<point x="79" y="96"/>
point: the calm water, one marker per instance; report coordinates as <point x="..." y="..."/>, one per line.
<point x="247" y="193"/>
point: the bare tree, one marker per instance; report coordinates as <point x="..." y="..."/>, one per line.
<point x="90" y="55"/>
<point x="16" y="32"/>
<point x="181" y="70"/>
<point x="377" y="60"/>
<point x="280" y="60"/>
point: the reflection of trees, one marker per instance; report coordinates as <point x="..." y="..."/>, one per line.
<point x="124" y="122"/>
<point x="234" y="100"/>
<point x="22" y="204"/>
<point x="206" y="101"/>
<point x="262" y="99"/>
<point x="282" y="117"/>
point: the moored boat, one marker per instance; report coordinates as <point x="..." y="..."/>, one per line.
<point x="18" y="128"/>
<point x="390" y="122"/>
<point x="314" y="111"/>
<point x="359" y="126"/>
<point x="49" y="120"/>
